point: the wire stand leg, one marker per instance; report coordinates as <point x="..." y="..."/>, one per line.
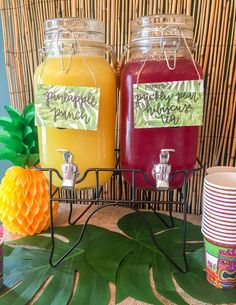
<point x="80" y="216"/>
<point x="132" y="203"/>
<point x="161" y="219"/>
<point x="54" y="264"/>
<point x="170" y="204"/>
<point x="51" y="217"/>
<point x="84" y="212"/>
<point x="170" y="207"/>
<point x="185" y="204"/>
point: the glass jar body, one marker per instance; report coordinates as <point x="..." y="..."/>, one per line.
<point x="141" y="147"/>
<point x="89" y="148"/>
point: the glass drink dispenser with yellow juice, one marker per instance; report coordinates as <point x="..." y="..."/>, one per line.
<point x="75" y="99"/>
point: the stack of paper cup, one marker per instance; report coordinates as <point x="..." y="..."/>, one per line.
<point x="219" y="228"/>
<point x="220" y="169"/>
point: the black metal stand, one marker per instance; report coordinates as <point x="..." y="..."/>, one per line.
<point x="132" y="203"/>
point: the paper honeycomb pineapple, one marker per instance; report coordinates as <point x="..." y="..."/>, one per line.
<point x="24" y="191"/>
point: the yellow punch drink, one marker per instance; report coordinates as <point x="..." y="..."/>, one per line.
<point x="75" y="98"/>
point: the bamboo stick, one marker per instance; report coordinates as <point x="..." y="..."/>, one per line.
<point x="155" y="7"/>
<point x="227" y="85"/>
<point x="218" y="83"/>
<point x="214" y="50"/>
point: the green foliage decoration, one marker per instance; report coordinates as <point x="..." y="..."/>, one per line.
<point x="18" y="137"/>
<point x="105" y="256"/>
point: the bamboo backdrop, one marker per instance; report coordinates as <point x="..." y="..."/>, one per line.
<point x="215" y="43"/>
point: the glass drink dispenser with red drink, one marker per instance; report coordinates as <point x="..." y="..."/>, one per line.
<point x="161" y="101"/>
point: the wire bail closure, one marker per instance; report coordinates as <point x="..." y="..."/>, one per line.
<point x="42" y="53"/>
<point x="175" y="48"/>
<point x="63" y="46"/>
<point x="163" y="44"/>
<point x="112" y="53"/>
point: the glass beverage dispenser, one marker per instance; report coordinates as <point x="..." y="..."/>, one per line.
<point x="161" y="101"/>
<point x="75" y="100"/>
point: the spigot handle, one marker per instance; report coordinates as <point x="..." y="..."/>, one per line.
<point x="165" y="154"/>
<point x="168" y="149"/>
<point x="69" y="169"/>
<point x="67" y="155"/>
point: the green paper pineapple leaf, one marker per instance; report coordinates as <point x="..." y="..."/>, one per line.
<point x="24" y="191"/>
<point x="18" y="137"/>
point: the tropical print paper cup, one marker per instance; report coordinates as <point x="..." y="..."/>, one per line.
<point x="220" y="265"/>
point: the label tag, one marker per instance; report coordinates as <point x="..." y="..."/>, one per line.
<point x="71" y="107"/>
<point x="168" y="104"/>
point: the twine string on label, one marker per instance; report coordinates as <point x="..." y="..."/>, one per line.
<point x="45" y="53"/>
<point x="112" y="53"/>
<point x="145" y="60"/>
<point x="175" y="49"/>
<point x="88" y="65"/>
<point x="121" y="63"/>
<point x="191" y="56"/>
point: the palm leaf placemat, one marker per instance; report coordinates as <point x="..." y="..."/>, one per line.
<point x="129" y="260"/>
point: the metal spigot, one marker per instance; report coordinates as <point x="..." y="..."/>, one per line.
<point x="161" y="171"/>
<point x="69" y="170"/>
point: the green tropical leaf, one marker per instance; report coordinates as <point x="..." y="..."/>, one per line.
<point x="29" y="115"/>
<point x="10" y="142"/>
<point x="31" y="267"/>
<point x="15" y="158"/>
<point x="35" y="148"/>
<point x="164" y="282"/>
<point x="18" y="136"/>
<point x="21" y="160"/>
<point x="15" y="116"/>
<point x="30" y="143"/>
<point x="105" y="256"/>
<point x="29" y="139"/>
<point x="29" y="120"/>
<point x="26" y="159"/>
<point x="26" y="131"/>
<point x="8" y="154"/>
<point x="92" y="288"/>
<point x="10" y="127"/>
<point x="28" y="109"/>
<point x="32" y="159"/>
<point x="136" y="268"/>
